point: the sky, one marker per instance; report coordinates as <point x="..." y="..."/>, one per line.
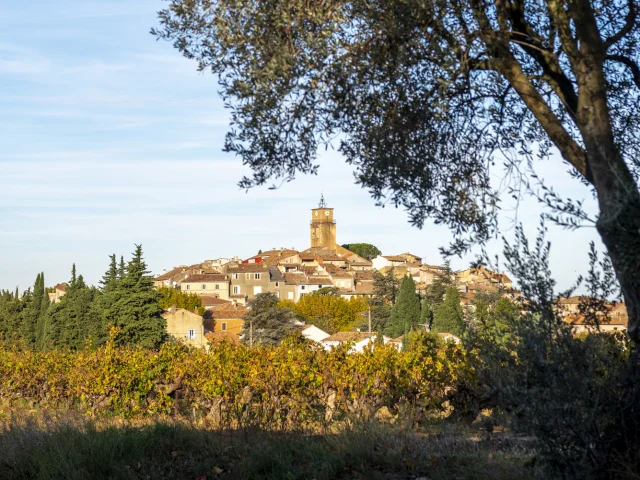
<point x="109" y="138"/>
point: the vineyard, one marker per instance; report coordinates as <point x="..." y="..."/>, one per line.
<point x="292" y="386"/>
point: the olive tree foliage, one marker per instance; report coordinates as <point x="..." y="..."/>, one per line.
<point x="425" y="97"/>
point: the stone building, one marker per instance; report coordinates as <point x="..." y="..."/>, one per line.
<point x="209" y="284"/>
<point x="323" y="226"/>
<point x="185" y="326"/>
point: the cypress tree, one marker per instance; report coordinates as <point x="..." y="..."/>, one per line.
<point x="448" y="317"/>
<point x="31" y="324"/>
<point x="69" y="322"/>
<point x="385" y="288"/>
<point x="133" y="306"/>
<point x="406" y="311"/>
<point x="426" y="314"/>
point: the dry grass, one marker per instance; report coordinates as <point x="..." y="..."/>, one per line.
<point x="64" y="445"/>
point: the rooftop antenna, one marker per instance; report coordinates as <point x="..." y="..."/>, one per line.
<point x="322" y="203"/>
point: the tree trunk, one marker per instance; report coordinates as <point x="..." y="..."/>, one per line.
<point x="618" y="195"/>
<point x="619" y="219"/>
<point x="619" y="228"/>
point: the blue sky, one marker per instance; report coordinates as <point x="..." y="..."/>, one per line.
<point x="110" y="138"/>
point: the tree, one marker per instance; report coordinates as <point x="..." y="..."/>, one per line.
<point x="181" y="299"/>
<point x="331" y="312"/>
<point x="267" y="322"/>
<point x="75" y="319"/>
<point x="426" y="314"/>
<point x="385" y="288"/>
<point x="364" y="250"/>
<point x="110" y="278"/>
<point x="405" y="313"/>
<point x="133" y="306"/>
<point x="448" y="316"/>
<point x="424" y="96"/>
<point x="444" y="279"/>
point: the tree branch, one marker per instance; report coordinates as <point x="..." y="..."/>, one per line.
<point x="569" y="148"/>
<point x="547" y="60"/>
<point x="628" y="26"/>
<point x="631" y="65"/>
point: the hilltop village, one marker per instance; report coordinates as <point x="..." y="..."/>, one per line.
<point x="226" y="286"/>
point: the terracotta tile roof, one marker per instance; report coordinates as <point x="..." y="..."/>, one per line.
<point x="282" y="253"/>
<point x="206" y="278"/>
<point x="62" y="287"/>
<point x="337" y="272"/>
<point x="432" y="267"/>
<point x="230" y="312"/>
<point x="349" y="337"/>
<point x="237" y="295"/>
<point x="309" y="270"/>
<point x="364" y="275"/>
<point x="170" y="274"/>
<point x="210" y="301"/>
<point x="364" y="288"/>
<point x="577" y="319"/>
<point x="295" y="278"/>
<point x="575" y="300"/>
<point x="318" y="280"/>
<point x="249" y="268"/>
<point x="394" y="258"/>
<point x="361" y="263"/>
<point x="332" y="258"/>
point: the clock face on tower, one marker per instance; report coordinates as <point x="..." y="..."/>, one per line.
<point x="326" y="212"/>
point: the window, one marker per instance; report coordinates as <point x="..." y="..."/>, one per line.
<point x="342" y="283"/>
<point x="277" y="284"/>
<point x="256" y="276"/>
<point x="235" y="276"/>
<point x="247" y="276"/>
<point x="217" y="286"/>
<point x="290" y="295"/>
<point x="236" y="289"/>
<point x="301" y="287"/>
<point x="278" y="294"/>
<point x="188" y="287"/>
<point x="257" y="290"/>
<point x="204" y="286"/>
<point x="191" y="334"/>
<point x="224" y="326"/>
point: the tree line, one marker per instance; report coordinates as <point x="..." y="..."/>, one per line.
<point x="125" y="300"/>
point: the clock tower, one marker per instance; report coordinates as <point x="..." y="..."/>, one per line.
<point x="323" y="226"/>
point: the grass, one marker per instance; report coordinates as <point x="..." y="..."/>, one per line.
<point x="40" y="445"/>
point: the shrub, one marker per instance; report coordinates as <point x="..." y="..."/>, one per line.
<point x="291" y="386"/>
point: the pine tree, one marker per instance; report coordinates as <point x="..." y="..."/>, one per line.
<point x="110" y="277"/>
<point x="122" y="269"/>
<point x="267" y="322"/>
<point x="133" y="306"/>
<point x="448" y="317"/>
<point x="406" y="311"/>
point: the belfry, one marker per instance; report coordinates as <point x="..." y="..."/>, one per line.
<point x="323" y="226"/>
